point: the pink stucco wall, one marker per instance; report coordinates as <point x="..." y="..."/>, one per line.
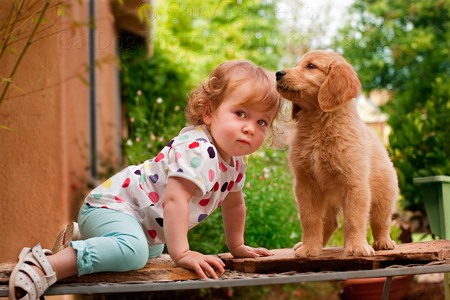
<point x="44" y="155"/>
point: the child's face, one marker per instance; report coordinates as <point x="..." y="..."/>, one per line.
<point x="238" y="130"/>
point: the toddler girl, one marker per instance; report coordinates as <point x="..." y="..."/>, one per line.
<point x="130" y="217"/>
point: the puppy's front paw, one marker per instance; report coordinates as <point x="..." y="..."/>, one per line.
<point x="387" y="244"/>
<point x="303" y="251"/>
<point x="359" y="250"/>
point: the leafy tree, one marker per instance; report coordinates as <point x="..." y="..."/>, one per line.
<point x="205" y="33"/>
<point x="403" y="47"/>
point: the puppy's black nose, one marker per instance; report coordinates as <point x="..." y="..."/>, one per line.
<point x="280" y="74"/>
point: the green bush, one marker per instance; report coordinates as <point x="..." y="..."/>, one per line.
<point x="154" y="91"/>
<point x="420" y="145"/>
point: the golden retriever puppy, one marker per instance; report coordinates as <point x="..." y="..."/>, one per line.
<point x="339" y="164"/>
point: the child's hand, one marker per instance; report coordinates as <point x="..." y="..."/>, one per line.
<point x="203" y="265"/>
<point x="247" y="251"/>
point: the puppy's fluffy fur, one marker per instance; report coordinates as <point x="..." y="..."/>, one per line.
<point x="339" y="163"/>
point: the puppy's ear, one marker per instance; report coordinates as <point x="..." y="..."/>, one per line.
<point x="340" y="86"/>
<point x="295" y="110"/>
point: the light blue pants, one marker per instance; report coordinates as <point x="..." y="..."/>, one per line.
<point x="113" y="241"/>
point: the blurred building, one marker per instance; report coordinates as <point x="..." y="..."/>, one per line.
<point x="372" y="115"/>
<point x="61" y="119"/>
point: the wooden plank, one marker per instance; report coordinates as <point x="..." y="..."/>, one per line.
<point x="163" y="269"/>
<point x="333" y="259"/>
<point x="157" y="269"/>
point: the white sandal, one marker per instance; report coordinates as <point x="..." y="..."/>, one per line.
<point x="26" y="278"/>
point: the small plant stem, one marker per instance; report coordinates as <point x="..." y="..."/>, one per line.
<point x="11" y="24"/>
<point x="24" y="50"/>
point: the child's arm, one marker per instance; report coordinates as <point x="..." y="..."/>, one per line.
<point x="179" y="192"/>
<point x="233" y="214"/>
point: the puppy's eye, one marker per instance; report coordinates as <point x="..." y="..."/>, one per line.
<point x="311" y="66"/>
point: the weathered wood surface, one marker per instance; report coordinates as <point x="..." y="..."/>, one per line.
<point x="333" y="259"/>
<point x="158" y="269"/>
<point x="163" y="269"/>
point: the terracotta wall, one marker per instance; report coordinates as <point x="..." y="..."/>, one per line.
<point x="44" y="155"/>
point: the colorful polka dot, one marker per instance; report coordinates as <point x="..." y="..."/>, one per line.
<point x="211" y="174"/>
<point x="239" y="177"/>
<point x="183" y="137"/>
<point x="177" y="156"/>
<point x="118" y="199"/>
<point x="216" y="186"/>
<point x="194" y="145"/>
<point x="137" y="172"/>
<point x="154" y="178"/>
<point x="152" y="233"/>
<point x="202" y="217"/>
<point x="230" y="185"/>
<point x="160" y="221"/>
<point x="126" y="183"/>
<point x="97" y="196"/>
<point x="224" y="187"/>
<point x="222" y="167"/>
<point x="154" y="196"/>
<point x="211" y="152"/>
<point x="159" y="157"/>
<point x="204" y="202"/>
<point x="107" y="183"/>
<point x="195" y="162"/>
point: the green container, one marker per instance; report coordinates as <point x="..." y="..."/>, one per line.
<point x="435" y="192"/>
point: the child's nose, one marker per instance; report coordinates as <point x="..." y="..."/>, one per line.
<point x="249" y="127"/>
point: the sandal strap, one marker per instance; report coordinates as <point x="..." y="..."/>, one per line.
<point x="39" y="258"/>
<point x="27" y="278"/>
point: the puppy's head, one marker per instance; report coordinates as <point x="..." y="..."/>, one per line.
<point x="322" y="79"/>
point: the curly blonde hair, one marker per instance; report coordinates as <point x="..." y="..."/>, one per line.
<point x="224" y="79"/>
